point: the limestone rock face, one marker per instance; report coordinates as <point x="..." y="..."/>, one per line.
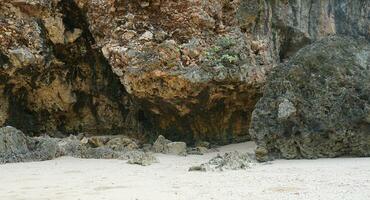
<point x="318" y="104"/>
<point x="298" y="23"/>
<point x="191" y="70"/>
<point x="52" y="80"/>
<point x="188" y="64"/>
<point x="196" y="68"/>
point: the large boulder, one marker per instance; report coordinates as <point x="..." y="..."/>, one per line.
<point x="13" y="145"/>
<point x="318" y="104"/>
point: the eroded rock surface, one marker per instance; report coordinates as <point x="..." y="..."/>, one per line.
<point x="196" y="68"/>
<point x="190" y="70"/>
<point x="318" y="104"/>
<point x="13" y="145"/>
<point x="187" y="64"/>
<point x="52" y="80"/>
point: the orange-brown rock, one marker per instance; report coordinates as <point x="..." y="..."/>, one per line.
<point x="189" y="66"/>
<point x="190" y="69"/>
<point x="52" y="80"/>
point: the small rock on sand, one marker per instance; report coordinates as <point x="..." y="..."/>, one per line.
<point x="162" y="145"/>
<point x="229" y="161"/>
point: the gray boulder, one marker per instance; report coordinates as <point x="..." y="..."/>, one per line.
<point x="17" y="147"/>
<point x="13" y="145"/>
<point x="318" y="104"/>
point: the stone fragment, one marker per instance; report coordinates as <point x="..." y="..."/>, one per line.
<point x="160" y="145"/>
<point x="176" y="148"/>
<point x="229" y="161"/>
<point x="140" y="158"/>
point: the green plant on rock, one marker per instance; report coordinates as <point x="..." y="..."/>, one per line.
<point x="222" y="53"/>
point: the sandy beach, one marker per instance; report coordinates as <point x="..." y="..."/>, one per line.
<point x="86" y="179"/>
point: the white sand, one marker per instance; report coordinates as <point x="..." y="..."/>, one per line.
<point x="70" y="178"/>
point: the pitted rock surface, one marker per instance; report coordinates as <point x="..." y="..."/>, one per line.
<point x="190" y="70"/>
<point x="317" y="104"/>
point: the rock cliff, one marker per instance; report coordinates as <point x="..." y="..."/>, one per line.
<point x="190" y="70"/>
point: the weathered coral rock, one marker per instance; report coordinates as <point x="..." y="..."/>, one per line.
<point x="140" y="158"/>
<point x="52" y="80"/>
<point x="187" y="64"/>
<point x="17" y="147"/>
<point x="190" y="70"/>
<point x="13" y="145"/>
<point x="196" y="68"/>
<point x="318" y="104"/>
<point x="229" y="161"/>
